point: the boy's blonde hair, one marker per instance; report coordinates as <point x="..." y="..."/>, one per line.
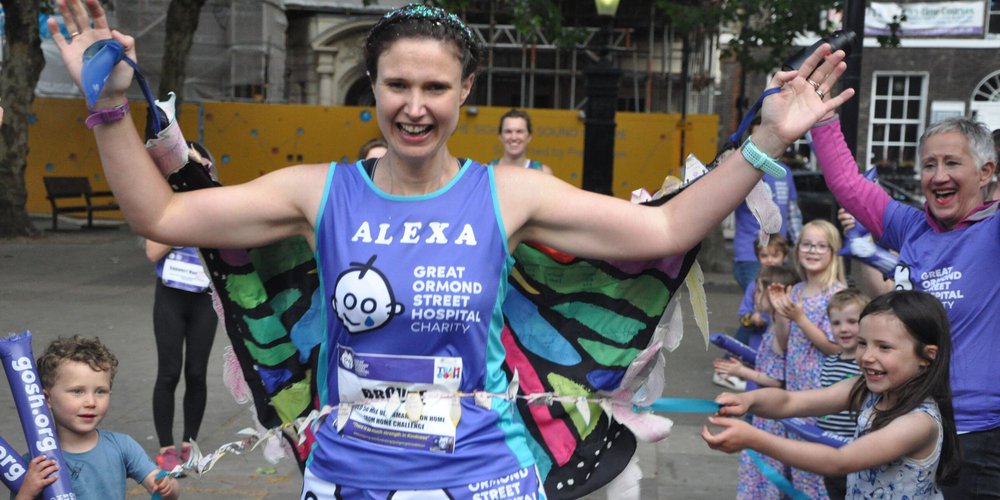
<point x="82" y="350"/>
<point x="834" y="273"/>
<point x="847" y="297"/>
<point x="775" y="242"/>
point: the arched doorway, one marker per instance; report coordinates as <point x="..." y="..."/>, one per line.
<point x="340" y="64"/>
<point x="360" y="93"/>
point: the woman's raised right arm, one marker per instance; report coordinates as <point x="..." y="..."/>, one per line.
<point x="862" y="198"/>
<point x="264" y="210"/>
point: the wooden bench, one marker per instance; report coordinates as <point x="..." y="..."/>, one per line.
<point x="63" y="189"/>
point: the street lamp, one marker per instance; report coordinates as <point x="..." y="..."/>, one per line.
<point x="602" y="99"/>
<point x="607" y="7"/>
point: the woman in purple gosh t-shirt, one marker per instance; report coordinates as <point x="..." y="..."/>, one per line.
<point x="946" y="250"/>
<point x="422" y="63"/>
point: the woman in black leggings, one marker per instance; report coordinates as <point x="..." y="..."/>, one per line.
<point x="184" y="324"/>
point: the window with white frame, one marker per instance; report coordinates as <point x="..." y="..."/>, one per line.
<point x="896" y="119"/>
<point x="993" y="19"/>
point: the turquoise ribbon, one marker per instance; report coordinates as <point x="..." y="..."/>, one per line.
<point x="159" y="475"/>
<point x="772" y="475"/>
<point x="680" y="405"/>
<point x="686" y="405"/>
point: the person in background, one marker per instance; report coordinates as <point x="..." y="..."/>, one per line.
<point x="184" y="323"/>
<point x="753" y="322"/>
<point x="808" y="338"/>
<point x="515" y="135"/>
<point x="374" y="148"/>
<point x="783" y="193"/>
<point x="844" y="311"/>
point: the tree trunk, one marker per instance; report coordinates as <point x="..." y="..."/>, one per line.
<point x="23" y="63"/>
<point x="182" y="22"/>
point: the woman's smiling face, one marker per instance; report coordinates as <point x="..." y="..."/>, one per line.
<point x="950" y="177"/>
<point x="418" y="94"/>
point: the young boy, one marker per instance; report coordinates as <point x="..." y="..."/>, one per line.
<point x="752" y="321"/>
<point x="844" y="310"/>
<point x="76" y="375"/>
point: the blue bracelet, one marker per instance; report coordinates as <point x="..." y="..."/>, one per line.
<point x="761" y="161"/>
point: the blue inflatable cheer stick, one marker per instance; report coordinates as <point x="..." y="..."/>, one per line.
<point x="813" y="433"/>
<point x="859" y="246"/>
<point x="734" y="347"/>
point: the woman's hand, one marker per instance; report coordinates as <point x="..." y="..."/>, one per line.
<point x="846" y="220"/>
<point x="803" y="100"/>
<point x="735" y="436"/>
<point x="87" y="24"/>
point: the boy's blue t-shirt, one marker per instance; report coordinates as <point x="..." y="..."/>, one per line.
<point x="99" y="474"/>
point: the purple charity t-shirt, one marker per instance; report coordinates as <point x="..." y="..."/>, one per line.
<point x="783" y="193"/>
<point x="957" y="267"/>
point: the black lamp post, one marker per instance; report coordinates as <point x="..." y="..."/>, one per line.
<point x="849" y="112"/>
<point x="602" y="99"/>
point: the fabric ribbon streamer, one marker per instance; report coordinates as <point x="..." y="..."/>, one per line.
<point x="36" y="419"/>
<point x="681" y="405"/>
<point x="12" y="467"/>
<point x="761" y="203"/>
<point x="776" y="478"/>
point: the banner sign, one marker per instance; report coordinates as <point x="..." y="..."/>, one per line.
<point x="926" y="19"/>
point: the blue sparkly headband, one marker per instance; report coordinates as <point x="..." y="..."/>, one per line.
<point x="425" y="12"/>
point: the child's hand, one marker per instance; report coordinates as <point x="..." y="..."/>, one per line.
<point x="733" y="404"/>
<point x="41" y="473"/>
<point x="782" y="303"/>
<point x="846" y="220"/>
<point x="728" y="366"/>
<point x="167" y="487"/>
<point x="735" y="435"/>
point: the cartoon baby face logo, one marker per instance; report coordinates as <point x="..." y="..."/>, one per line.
<point x="363" y="298"/>
<point x="902" y="277"/>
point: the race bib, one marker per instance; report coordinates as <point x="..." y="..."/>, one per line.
<point x="183" y="270"/>
<point x="375" y="378"/>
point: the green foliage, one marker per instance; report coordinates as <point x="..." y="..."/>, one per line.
<point x="764" y="36"/>
<point x="892" y="39"/>
<point x="529" y="17"/>
<point x="766" y="28"/>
